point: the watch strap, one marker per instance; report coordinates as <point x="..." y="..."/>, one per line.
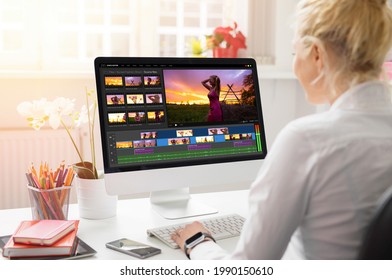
<point x="206" y="235"/>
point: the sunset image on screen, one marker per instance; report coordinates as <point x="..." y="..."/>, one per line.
<point x="117" y="118"/>
<point x="156" y="116"/>
<point x="152" y="81"/>
<point x="115" y="99"/>
<point x="185" y="86"/>
<point x="154" y="98"/>
<point x="133" y="99"/>
<point x="124" y="145"/>
<point x="136" y="117"/>
<point x="190" y="98"/>
<point x="113" y="81"/>
<point x="133" y="81"/>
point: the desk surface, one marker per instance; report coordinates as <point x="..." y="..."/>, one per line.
<point x="134" y="217"/>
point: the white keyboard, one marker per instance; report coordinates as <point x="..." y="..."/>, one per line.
<point x="221" y="227"/>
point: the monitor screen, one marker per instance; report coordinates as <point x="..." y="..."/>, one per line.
<point x="168" y="114"/>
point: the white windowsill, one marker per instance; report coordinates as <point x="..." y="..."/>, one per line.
<point x="272" y="72"/>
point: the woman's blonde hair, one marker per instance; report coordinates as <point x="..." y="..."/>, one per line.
<point x="359" y="32"/>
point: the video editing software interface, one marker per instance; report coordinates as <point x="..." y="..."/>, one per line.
<point x="175" y="114"/>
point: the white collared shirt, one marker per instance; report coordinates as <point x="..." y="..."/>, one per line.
<point x="319" y="183"/>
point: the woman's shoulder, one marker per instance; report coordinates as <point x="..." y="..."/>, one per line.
<point x="314" y="122"/>
<point x="309" y="129"/>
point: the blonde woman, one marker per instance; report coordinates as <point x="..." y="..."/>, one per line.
<point x="319" y="184"/>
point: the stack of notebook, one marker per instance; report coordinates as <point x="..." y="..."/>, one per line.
<point x="43" y="239"/>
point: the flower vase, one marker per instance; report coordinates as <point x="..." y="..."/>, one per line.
<point x="94" y="203"/>
<point x="230" y="52"/>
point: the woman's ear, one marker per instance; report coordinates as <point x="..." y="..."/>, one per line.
<point x="318" y="57"/>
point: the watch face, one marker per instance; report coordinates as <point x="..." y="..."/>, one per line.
<point x="194" y="238"/>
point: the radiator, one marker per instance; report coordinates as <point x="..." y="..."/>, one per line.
<point x="20" y="148"/>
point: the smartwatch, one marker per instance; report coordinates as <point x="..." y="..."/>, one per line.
<point x="196" y="239"/>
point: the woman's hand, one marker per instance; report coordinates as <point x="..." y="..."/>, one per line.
<point x="183" y="234"/>
<point x="206" y="83"/>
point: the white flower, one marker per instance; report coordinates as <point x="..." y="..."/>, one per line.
<point x="82" y="117"/>
<point x="61" y="111"/>
<point x="35" y="112"/>
<point x="59" y="108"/>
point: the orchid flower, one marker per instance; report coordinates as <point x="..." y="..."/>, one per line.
<point x="35" y="112"/>
<point x="58" y="109"/>
<point x="61" y="112"/>
<point x="82" y="117"/>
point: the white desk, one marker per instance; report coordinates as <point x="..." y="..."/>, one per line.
<point x="134" y="217"/>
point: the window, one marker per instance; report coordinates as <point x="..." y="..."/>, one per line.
<point x="65" y="36"/>
<point x="77" y="31"/>
<point x="183" y="20"/>
<point x="17" y="40"/>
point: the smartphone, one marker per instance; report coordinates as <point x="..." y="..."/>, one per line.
<point x="133" y="248"/>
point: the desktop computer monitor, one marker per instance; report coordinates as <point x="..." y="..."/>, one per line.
<point x="171" y="124"/>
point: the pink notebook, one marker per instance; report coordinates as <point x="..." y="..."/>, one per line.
<point x="43" y="232"/>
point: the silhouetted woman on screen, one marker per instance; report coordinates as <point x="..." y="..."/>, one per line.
<point x="213" y="85"/>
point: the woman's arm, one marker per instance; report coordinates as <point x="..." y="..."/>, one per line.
<point x="277" y="202"/>
<point x="206" y="84"/>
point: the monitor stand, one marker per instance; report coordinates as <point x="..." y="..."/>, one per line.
<point x="177" y="204"/>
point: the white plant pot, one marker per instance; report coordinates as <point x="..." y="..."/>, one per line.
<point x="94" y="203"/>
